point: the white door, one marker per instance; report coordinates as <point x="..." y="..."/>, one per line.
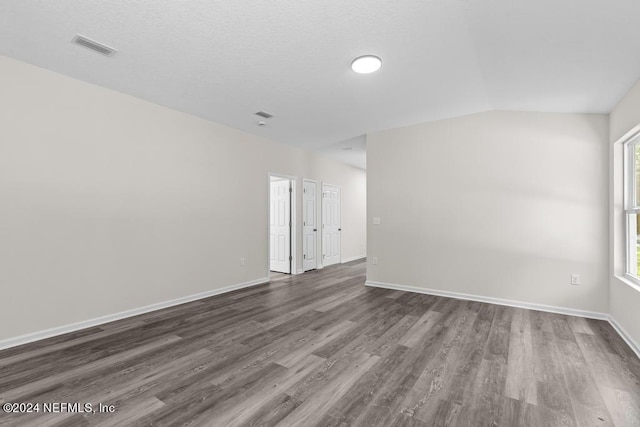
<point x="280" y="226"/>
<point x="330" y="224"/>
<point x="309" y="226"/>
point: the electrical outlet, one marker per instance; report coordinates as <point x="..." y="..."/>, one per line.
<point x="374" y="260"/>
<point x="575" y="279"/>
<point x="243" y="261"/>
<point x="376" y="220"/>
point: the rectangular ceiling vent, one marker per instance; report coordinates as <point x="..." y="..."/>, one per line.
<point x="93" y="45"/>
<point x="264" y="114"/>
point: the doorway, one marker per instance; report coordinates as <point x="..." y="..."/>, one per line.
<point x="281" y="223"/>
<point x="309" y="225"/>
<point x="331" y="225"/>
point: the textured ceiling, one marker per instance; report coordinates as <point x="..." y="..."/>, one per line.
<point x="225" y="60"/>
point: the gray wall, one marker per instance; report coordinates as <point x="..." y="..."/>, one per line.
<point x="502" y="204"/>
<point x="109" y="203"/>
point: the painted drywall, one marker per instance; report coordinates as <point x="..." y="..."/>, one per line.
<point x="109" y="203"/>
<point x="500" y="204"/>
<point x="624" y="297"/>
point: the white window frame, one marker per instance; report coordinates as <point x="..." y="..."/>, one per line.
<point x="631" y="207"/>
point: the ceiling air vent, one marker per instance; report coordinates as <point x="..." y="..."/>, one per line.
<point x="264" y="114"/>
<point x="93" y="45"/>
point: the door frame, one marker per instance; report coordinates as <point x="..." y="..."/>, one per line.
<point x="293" y="236"/>
<point x="322" y="185"/>
<point x="318" y="247"/>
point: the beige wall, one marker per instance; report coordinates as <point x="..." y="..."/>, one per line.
<point x="502" y="204"/>
<point x="624" y="297"/>
<point x="110" y="203"/>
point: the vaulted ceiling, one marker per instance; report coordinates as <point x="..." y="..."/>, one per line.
<point x="226" y="60"/>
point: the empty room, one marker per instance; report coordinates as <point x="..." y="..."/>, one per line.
<point x="305" y="213"/>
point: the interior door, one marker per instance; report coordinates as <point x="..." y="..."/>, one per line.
<point x="280" y="226"/>
<point x="309" y="226"/>
<point x="330" y="224"/>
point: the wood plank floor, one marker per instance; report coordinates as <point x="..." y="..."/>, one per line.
<point x="322" y="349"/>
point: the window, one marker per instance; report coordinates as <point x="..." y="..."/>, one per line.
<point x="632" y="205"/>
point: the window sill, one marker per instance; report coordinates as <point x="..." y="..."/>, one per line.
<point x="628" y="280"/>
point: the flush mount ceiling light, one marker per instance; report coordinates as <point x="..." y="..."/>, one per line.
<point x="366" y="64"/>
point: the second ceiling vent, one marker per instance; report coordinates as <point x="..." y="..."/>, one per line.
<point x="95" y="46"/>
<point x="264" y="114"/>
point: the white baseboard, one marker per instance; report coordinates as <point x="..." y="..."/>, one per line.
<point x="48" y="333"/>
<point x="491" y="300"/>
<point x="353" y="258"/>
<point x="625" y="336"/>
<point x="540" y="307"/>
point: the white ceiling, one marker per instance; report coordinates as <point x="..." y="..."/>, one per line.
<point x="225" y="60"/>
<point x="352" y="151"/>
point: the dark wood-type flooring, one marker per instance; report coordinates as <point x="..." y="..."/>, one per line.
<point x="322" y="349"/>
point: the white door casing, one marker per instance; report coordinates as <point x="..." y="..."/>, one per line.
<point x="309" y="225"/>
<point x="280" y="226"/>
<point x="331" y="228"/>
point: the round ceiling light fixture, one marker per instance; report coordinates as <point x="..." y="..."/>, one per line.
<point x="366" y="64"/>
